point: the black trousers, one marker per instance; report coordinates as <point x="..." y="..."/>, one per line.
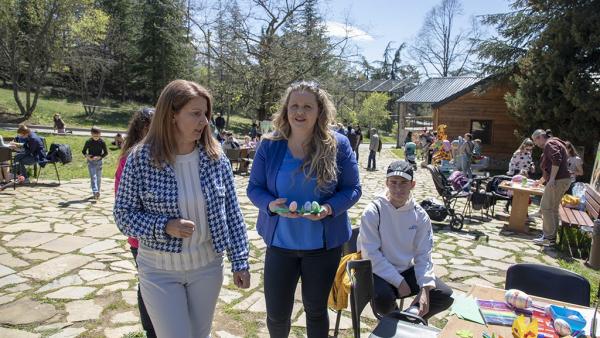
<point x="144" y="316"/>
<point x="283" y="268"/>
<point x="386" y="294"/>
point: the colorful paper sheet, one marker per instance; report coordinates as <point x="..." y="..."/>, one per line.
<point x="496" y="312"/>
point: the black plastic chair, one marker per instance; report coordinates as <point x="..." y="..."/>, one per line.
<point x="361" y="290"/>
<point x="361" y="294"/>
<point x="349" y="247"/>
<point x="496" y="193"/>
<point x="548" y="282"/>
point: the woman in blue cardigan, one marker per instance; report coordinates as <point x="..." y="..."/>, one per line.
<point x="303" y="161"/>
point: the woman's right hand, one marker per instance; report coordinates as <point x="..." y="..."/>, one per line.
<point x="280" y="203"/>
<point x="180" y="228"/>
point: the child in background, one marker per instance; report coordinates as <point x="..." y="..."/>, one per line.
<point x="118" y="141"/>
<point x="574" y="164"/>
<point x="94" y="151"/>
<point x="59" y="124"/>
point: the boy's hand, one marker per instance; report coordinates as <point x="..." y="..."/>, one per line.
<point x="403" y="289"/>
<point x="422" y="301"/>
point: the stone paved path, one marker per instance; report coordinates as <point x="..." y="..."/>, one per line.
<point x="66" y="271"/>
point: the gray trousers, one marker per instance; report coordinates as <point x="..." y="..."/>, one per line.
<point x="549" y="206"/>
<point x="181" y="303"/>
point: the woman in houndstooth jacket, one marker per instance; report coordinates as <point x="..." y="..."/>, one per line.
<point x="177" y="196"/>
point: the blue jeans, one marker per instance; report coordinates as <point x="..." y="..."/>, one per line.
<point x="95" y="170"/>
<point x="23" y="159"/>
<point x="372" y="155"/>
<point x="283" y="268"/>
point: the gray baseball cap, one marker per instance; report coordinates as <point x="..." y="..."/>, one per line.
<point x="400" y="168"/>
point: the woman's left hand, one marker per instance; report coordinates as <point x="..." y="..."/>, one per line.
<point x="317" y="217"/>
<point x="241" y="279"/>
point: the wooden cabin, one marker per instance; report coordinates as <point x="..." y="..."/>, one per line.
<point x="470" y="105"/>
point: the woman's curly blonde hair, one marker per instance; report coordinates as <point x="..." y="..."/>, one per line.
<point x="321" y="151"/>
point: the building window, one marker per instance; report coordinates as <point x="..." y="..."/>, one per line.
<point x="482" y="129"/>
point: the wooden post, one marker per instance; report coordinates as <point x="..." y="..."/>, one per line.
<point x="401" y="113"/>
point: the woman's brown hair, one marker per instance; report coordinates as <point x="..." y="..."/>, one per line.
<point x="162" y="136"/>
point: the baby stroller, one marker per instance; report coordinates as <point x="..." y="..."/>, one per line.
<point x="449" y="196"/>
<point x="410" y="154"/>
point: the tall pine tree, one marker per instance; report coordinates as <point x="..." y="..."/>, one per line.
<point x="165" y="50"/>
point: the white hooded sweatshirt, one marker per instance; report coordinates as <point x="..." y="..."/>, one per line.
<point x="397" y="239"/>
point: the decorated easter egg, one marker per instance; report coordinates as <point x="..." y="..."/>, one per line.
<point x="315" y="207"/>
<point x="518" y="299"/>
<point x="413" y="310"/>
<point x="293" y="206"/>
<point x="561" y="327"/>
<point x="307" y="206"/>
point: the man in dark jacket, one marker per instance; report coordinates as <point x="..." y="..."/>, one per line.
<point x="32" y="152"/>
<point x="556" y="177"/>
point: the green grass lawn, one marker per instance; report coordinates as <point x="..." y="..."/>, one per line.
<point x="115" y="118"/>
<point x="77" y="168"/>
<point x="72" y="112"/>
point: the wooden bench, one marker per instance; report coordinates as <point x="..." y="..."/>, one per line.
<point x="577" y="225"/>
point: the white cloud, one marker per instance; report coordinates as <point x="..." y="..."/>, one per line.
<point x="340" y="30"/>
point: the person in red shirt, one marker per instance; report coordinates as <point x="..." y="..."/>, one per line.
<point x="556" y="177"/>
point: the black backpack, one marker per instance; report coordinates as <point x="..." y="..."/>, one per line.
<point x="60" y="153"/>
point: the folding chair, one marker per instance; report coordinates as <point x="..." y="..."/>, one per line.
<point x="548" y="282"/>
<point x="37" y="171"/>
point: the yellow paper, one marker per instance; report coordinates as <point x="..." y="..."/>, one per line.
<point x="521" y="329"/>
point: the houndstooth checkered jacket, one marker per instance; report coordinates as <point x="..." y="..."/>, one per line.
<point x="147" y="200"/>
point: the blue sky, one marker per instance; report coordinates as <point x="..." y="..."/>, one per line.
<point x="396" y="20"/>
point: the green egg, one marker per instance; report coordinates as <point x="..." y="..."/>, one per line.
<point x="315" y="207"/>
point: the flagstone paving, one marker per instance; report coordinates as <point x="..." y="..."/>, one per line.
<point x="66" y="271"/>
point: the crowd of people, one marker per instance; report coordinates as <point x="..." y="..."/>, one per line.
<point x="460" y="153"/>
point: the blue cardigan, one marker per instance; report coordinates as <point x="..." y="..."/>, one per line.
<point x="262" y="190"/>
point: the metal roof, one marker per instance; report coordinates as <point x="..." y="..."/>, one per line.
<point x="440" y="89"/>
<point x="383" y="86"/>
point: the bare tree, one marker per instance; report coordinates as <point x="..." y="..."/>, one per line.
<point x="253" y="56"/>
<point x="440" y="46"/>
<point x="30" y="50"/>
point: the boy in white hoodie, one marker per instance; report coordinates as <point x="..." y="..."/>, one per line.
<point x="396" y="236"/>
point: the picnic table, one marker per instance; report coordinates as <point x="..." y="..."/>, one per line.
<point x="487" y="293"/>
<point x="520" y="202"/>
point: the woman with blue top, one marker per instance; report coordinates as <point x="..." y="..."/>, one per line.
<point x="177" y="197"/>
<point x="303" y="161"/>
